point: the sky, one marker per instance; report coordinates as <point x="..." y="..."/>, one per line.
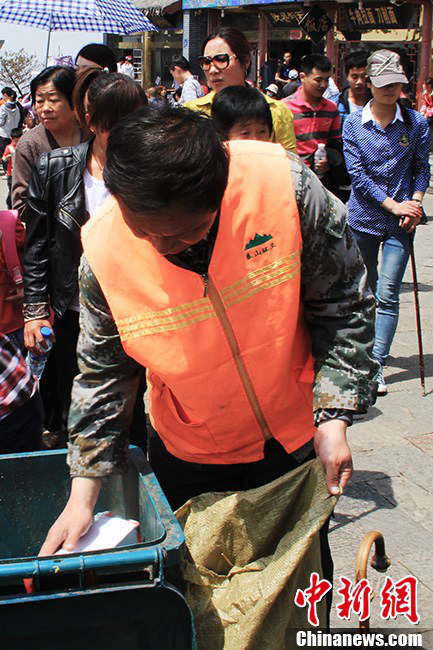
<point x="34" y="41"/>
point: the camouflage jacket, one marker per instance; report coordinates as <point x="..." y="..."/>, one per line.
<point x="338" y="308"/>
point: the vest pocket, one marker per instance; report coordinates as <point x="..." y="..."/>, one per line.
<point x="182" y="436"/>
<point x="167" y="406"/>
<point x="176" y="410"/>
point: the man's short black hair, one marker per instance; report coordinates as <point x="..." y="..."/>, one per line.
<point x="63" y="79"/>
<point x="239" y="104"/>
<point x="16" y="133"/>
<point x="180" y="62"/>
<point x="317" y="61"/>
<point x="357" y="59"/>
<point x="159" y="158"/>
<point x="9" y="92"/>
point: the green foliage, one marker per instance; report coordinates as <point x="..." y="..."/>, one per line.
<point x="16" y="69"/>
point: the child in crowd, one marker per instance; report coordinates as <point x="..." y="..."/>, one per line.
<point x="8" y="157"/>
<point x="242" y="113"/>
<point x="20" y="402"/>
<point x="29" y="122"/>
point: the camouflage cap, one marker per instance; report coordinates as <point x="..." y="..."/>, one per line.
<point x="384" y="67"/>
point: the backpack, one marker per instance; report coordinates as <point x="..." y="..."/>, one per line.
<point x="8" y="223"/>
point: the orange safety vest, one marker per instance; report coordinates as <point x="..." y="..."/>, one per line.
<point x="231" y="366"/>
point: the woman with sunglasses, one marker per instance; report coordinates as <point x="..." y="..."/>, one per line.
<point x="226" y="61"/>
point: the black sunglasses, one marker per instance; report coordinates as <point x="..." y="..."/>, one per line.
<point x="220" y="61"/>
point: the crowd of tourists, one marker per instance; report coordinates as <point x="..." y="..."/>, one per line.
<point x="213" y="244"/>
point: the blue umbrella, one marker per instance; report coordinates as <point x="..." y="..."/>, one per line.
<point x="109" y="16"/>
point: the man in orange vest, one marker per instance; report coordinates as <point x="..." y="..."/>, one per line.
<point x="249" y="309"/>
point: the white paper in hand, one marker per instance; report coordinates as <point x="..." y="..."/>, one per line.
<point x="107" y="531"/>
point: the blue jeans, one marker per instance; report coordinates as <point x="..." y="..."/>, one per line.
<point x="385" y="283"/>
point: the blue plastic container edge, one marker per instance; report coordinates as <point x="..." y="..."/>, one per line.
<point x="166" y="551"/>
<point x="54" y="565"/>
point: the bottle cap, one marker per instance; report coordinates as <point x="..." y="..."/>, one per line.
<point x="46" y="331"/>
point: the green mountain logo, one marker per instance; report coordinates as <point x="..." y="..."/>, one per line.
<point x="257" y="240"/>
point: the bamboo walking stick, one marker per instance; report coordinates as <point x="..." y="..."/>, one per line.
<point x="418" y="319"/>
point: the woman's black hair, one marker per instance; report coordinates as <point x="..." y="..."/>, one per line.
<point x="239" y="104"/>
<point x="110" y="96"/>
<point x="99" y="54"/>
<point x="62" y="77"/>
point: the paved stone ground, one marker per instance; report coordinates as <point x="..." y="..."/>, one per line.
<point x="392" y="487"/>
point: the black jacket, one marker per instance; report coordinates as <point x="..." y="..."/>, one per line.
<point x="56" y="213"/>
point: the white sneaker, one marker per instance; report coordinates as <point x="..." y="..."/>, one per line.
<point x="381" y="385"/>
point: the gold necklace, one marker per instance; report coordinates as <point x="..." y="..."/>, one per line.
<point x="101" y="168"/>
<point x="95" y="158"/>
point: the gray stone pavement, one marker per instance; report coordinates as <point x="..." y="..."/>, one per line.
<point x="392" y="487"/>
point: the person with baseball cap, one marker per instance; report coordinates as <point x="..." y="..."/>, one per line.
<point x="272" y="91"/>
<point x="386" y="148"/>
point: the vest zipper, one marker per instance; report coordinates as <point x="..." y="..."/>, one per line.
<point x="205" y="278"/>
<point x="212" y="292"/>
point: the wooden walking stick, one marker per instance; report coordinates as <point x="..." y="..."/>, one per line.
<point x="418" y="320"/>
<point x="380" y="561"/>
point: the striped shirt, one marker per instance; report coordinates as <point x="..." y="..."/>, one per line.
<point x="313" y="125"/>
<point x="17" y="384"/>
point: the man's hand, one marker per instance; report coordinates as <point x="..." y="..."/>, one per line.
<point x="321" y="167"/>
<point x="331" y="447"/>
<point x="409" y="223"/>
<point x="33" y="336"/>
<point x="75" y="519"/>
<point x="407" y="209"/>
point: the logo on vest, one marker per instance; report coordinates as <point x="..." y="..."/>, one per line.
<point x="256" y="242"/>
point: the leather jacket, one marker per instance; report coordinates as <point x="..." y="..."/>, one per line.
<point x="55" y="213"/>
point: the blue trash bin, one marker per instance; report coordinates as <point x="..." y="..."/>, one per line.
<point x="118" y="598"/>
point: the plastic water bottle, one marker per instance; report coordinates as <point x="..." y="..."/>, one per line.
<point x="319" y="155"/>
<point x="37" y="361"/>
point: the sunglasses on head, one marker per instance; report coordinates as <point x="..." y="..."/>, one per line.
<point x="220" y="61"/>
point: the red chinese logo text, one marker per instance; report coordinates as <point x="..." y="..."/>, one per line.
<point x="312" y="595"/>
<point x="400" y="599"/>
<point x="355" y="599"/>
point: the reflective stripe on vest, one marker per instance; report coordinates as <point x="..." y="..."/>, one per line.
<point x="230" y="368"/>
